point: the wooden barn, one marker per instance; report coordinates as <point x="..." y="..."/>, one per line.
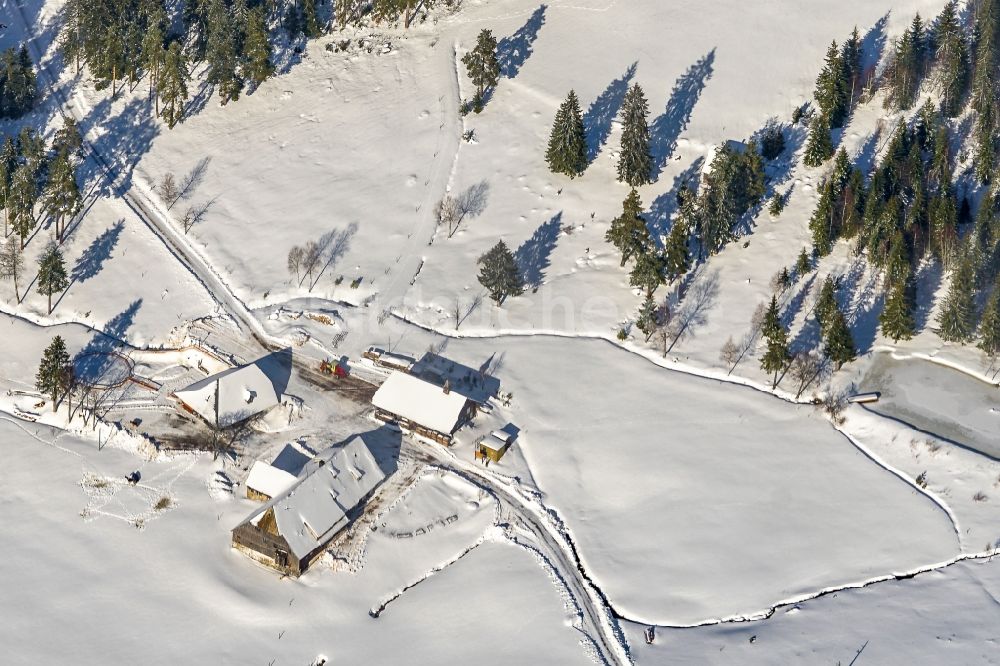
<point x="291" y="531"/>
<point x="495" y="446"/>
<point x="231" y="396"/>
<point x="421" y="407"/>
<point x="268" y="480"/>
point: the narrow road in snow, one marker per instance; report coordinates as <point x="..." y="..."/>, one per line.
<point x="142" y="208"/>
<point x="546" y="534"/>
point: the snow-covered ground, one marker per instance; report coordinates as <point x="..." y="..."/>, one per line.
<point x="632" y="488"/>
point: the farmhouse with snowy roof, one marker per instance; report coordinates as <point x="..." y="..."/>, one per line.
<point x="291" y="531"/>
<point x="231" y="396"/>
<point x="421" y="407"/>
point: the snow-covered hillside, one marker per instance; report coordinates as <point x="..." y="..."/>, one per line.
<point x="657" y="503"/>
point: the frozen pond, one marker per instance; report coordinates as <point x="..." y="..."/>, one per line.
<point x="937" y="399"/>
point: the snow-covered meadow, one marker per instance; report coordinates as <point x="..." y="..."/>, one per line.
<point x="635" y="494"/>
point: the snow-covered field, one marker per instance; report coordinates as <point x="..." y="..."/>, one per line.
<point x="636" y="493"/>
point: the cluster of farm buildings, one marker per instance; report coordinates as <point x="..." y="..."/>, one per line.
<point x="307" y="500"/>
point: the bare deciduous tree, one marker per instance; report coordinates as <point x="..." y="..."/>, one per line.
<point x="194" y="215"/>
<point x="452" y="211"/>
<point x="311" y="255"/>
<point x="295" y="256"/>
<point x="168" y="190"/>
<point x="806" y="367"/>
<point x="730" y="353"/>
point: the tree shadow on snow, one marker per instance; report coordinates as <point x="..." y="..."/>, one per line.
<point x="664" y="206"/>
<point x="514" y="51"/>
<point x="534" y="254"/>
<point x="666" y="129"/>
<point x="92" y="260"/>
<point x="603" y="110"/>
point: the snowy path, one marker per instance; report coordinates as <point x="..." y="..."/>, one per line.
<point x="600" y="624"/>
<point x="142" y="208"/>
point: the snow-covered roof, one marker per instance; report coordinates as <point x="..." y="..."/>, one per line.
<point x="420" y="402"/>
<point x="315" y="508"/>
<point x="244" y="391"/>
<point x="269" y="480"/>
<point x="282" y="472"/>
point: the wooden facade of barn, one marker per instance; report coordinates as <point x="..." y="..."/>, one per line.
<point x="263" y="543"/>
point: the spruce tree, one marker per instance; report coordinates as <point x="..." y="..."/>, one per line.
<point x="819" y="146"/>
<point x="896" y="319"/>
<point x="61" y="198"/>
<point x="826" y="303"/>
<point x="850" y="56"/>
<point x="68" y="138"/>
<point x="943" y="225"/>
<point x="500" y="273"/>
<point x="831" y="88"/>
<point x="986" y="28"/>
<point x="567" y="152"/>
<point x="649" y="271"/>
<point x="482" y="66"/>
<point x="676" y="252"/>
<point x="839" y="345"/>
<point x="803" y="265"/>
<point x="12" y="263"/>
<point x="220" y="53"/>
<point x="21" y="202"/>
<point x="152" y="47"/>
<point x="52" y="369"/>
<point x="257" y="65"/>
<point x="310" y="20"/>
<point x="52" y="276"/>
<point x="989" y="327"/>
<point x="8" y="165"/>
<point x="777" y="355"/>
<point x="172" y="85"/>
<point x="646" y="320"/>
<point x="985" y="158"/>
<point x="957" y="319"/>
<point x="635" y="162"/>
<point x="628" y="232"/>
<point x="951" y="60"/>
<point x="821" y="222"/>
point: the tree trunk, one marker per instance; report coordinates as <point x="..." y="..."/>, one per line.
<point x="50" y="302"/>
<point x="16" y="295"/>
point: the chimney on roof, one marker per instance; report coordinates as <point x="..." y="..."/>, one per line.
<point x="447" y="386"/>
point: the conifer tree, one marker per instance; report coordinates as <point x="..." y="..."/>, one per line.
<point x="567" y="152"/>
<point x="646" y="320"/>
<point x="310" y="20"/>
<point x="68" y="138"/>
<point x="826" y="303"/>
<point x="676" y="252"/>
<point x="839" y="345"/>
<point x="957" y="319"/>
<point x="831" y="88"/>
<point x="649" y="271"/>
<point x="500" y="273"/>
<point x="71" y="37"/>
<point x="896" y="319"/>
<point x="777" y="355"/>
<point x="943" y="225"/>
<point x="8" y="165"/>
<point x="21" y="202"/>
<point x="220" y="53"/>
<point x="257" y="65"/>
<point x="803" y="265"/>
<point x="51" y="370"/>
<point x="482" y="66"/>
<point x="52" y="276"/>
<point x="628" y="232"/>
<point x="985" y="158"/>
<point x="850" y="56"/>
<point x="152" y="47"/>
<point x="635" y="162"/>
<point x="61" y="198"/>
<point x="821" y="222"/>
<point x="172" y="85"/>
<point x="989" y="327"/>
<point x="986" y="29"/>
<point x="952" y="60"/>
<point x="819" y="146"/>
<point x="12" y="263"/>
<point x="908" y="66"/>
<point x="777" y="205"/>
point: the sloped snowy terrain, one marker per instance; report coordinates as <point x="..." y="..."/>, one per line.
<point x="644" y="487"/>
